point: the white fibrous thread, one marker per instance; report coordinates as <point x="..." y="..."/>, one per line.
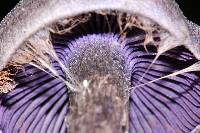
<point x="40" y="46"/>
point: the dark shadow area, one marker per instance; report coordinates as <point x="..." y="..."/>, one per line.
<point x="6" y="6"/>
<point x="190" y="9"/>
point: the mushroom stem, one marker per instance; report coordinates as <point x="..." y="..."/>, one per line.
<point x="98" y="107"/>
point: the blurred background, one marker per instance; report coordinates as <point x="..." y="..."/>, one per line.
<point x="191" y="8"/>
